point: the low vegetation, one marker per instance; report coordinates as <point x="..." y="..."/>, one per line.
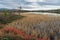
<point x="39" y="26"/>
<point x="8" y="18"/>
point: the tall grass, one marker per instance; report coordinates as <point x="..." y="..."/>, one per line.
<point x="40" y="26"/>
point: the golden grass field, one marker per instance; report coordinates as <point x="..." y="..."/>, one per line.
<point x="39" y="25"/>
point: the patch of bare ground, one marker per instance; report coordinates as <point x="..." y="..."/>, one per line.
<point x="41" y="26"/>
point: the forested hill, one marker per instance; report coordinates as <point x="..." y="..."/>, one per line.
<point x="50" y="11"/>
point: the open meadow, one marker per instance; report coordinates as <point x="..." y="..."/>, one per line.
<point x="36" y="25"/>
<point x="39" y="25"/>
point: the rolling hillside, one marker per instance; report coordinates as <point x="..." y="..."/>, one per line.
<point x="38" y="25"/>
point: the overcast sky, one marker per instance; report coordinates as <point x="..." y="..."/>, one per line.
<point x="30" y="4"/>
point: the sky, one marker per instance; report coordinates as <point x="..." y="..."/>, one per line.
<point x="30" y="4"/>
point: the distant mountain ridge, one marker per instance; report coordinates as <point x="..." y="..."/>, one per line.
<point x="6" y="9"/>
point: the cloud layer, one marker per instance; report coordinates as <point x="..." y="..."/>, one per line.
<point x="30" y="4"/>
<point x="12" y="4"/>
<point x="41" y="5"/>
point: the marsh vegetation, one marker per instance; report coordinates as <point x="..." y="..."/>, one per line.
<point x="40" y="26"/>
<point x="37" y="25"/>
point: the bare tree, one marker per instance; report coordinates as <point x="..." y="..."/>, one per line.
<point x="20" y="10"/>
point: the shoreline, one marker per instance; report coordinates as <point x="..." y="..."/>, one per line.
<point x="43" y="13"/>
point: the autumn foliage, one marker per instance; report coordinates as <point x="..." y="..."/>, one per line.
<point x="35" y="27"/>
<point x="20" y="33"/>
